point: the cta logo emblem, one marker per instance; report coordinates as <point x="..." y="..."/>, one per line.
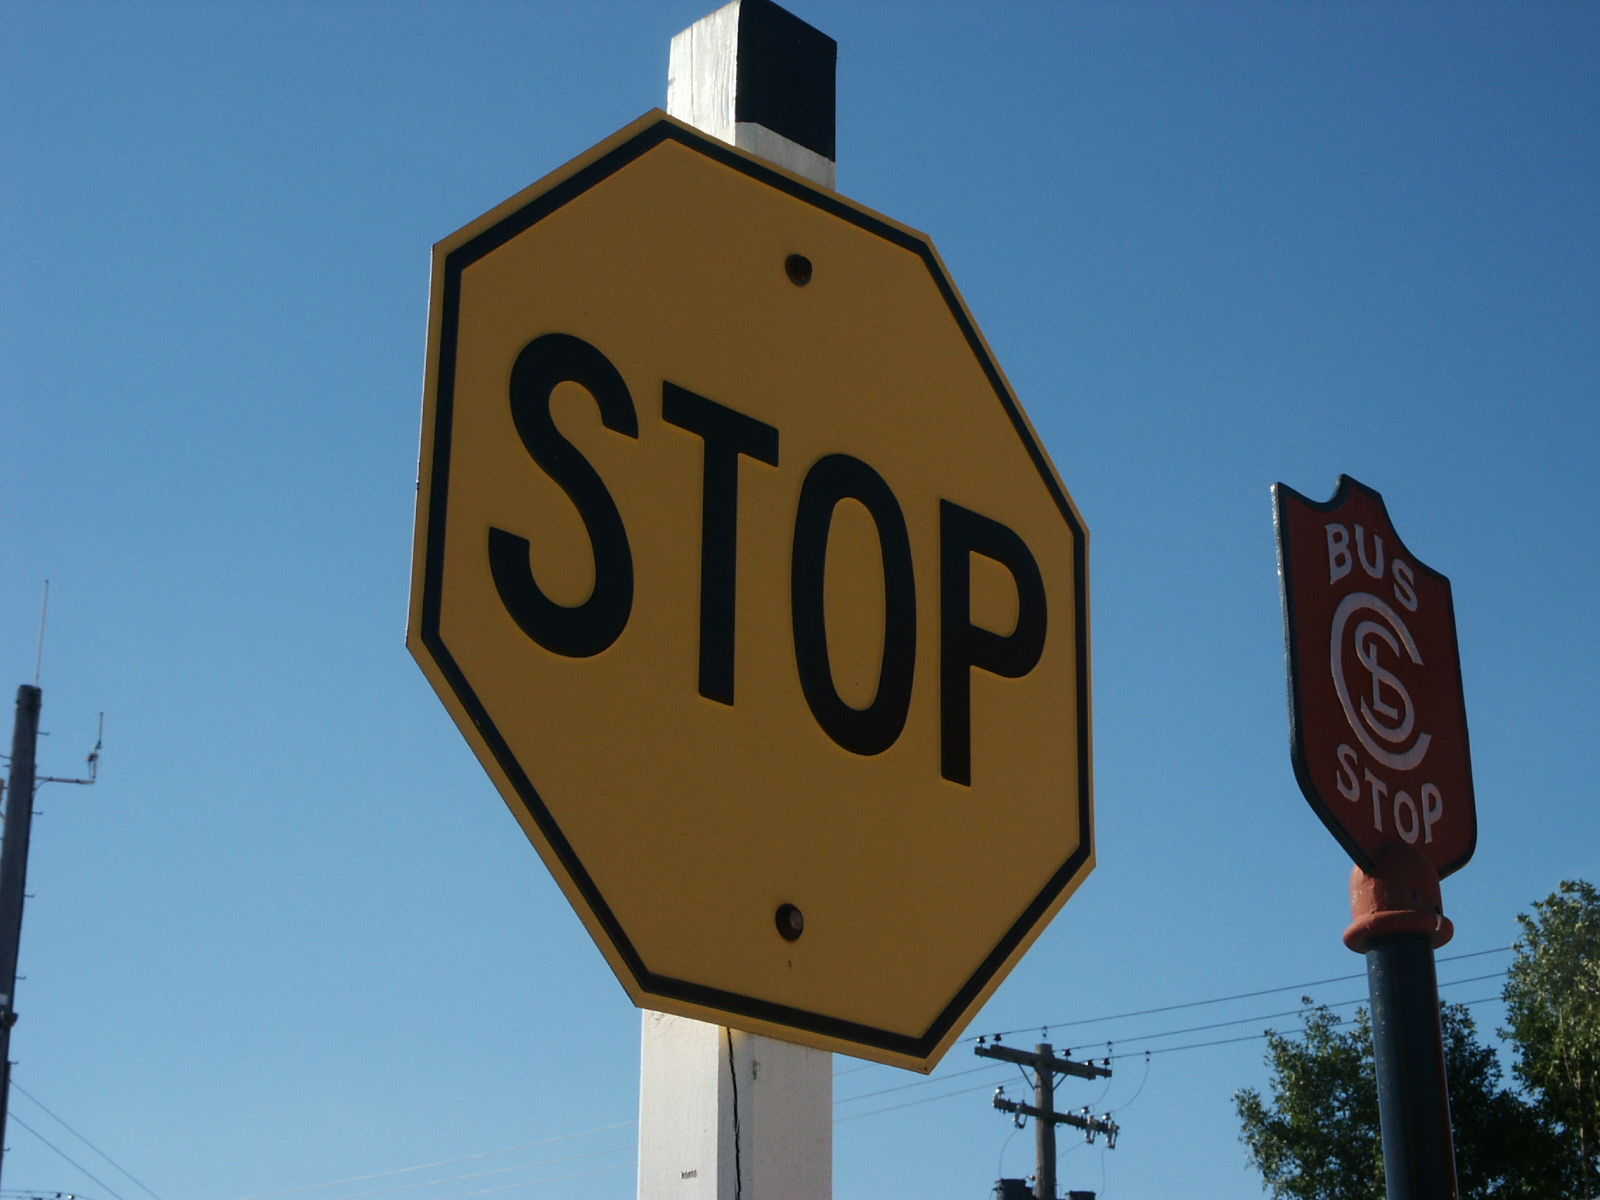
<point x="1379" y="738"/>
<point x="1386" y="712"/>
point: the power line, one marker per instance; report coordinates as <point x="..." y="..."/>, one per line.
<point x="1253" y="1037"/>
<point x="536" y="1182"/>
<point x="1143" y="1079"/>
<point x="548" y="1162"/>
<point x="17" y="1087"/>
<point x="1249" y="1037"/>
<point x="1294" y="1012"/>
<point x="915" y="1083"/>
<point x="443" y="1162"/>
<point x="66" y="1156"/>
<point x="910" y="1103"/>
<point x="1145" y="1012"/>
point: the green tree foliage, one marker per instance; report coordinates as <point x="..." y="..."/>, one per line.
<point x="1317" y="1137"/>
<point x="1504" y="1147"/>
<point x="1553" y="1017"/>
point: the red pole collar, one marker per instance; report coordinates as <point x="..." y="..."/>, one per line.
<point x="1403" y="897"/>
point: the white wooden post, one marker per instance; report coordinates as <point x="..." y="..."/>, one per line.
<point x="775" y="1096"/>
<point x="761" y="79"/>
<point x="727" y="1115"/>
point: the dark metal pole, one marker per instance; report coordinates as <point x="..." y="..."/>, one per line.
<point x="1408" y="1044"/>
<point x="13" y="876"/>
<point x="5" y="1053"/>
<point x="1044" y="1099"/>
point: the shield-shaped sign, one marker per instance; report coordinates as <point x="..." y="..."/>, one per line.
<point x="1378" y="723"/>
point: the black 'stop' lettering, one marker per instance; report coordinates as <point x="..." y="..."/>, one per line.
<point x="727" y="434"/>
<point x="588" y="628"/>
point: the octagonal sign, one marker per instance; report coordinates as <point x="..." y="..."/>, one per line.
<point x="743" y="572"/>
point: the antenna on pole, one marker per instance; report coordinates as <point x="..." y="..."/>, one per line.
<point x="44" y="611"/>
<point x="93" y="760"/>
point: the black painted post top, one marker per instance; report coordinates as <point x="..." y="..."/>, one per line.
<point x="754" y="74"/>
<point x="786" y="74"/>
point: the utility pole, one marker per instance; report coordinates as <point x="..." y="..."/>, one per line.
<point x="13" y="876"/>
<point x="18" y="794"/>
<point x="1046" y="1066"/>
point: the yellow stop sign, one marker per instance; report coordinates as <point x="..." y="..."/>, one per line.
<point x="745" y="575"/>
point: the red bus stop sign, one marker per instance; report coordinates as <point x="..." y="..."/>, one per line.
<point x="1378" y="724"/>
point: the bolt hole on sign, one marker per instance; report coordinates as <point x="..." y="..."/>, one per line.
<point x="1377" y="719"/>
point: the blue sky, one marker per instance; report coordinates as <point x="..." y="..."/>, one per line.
<point x="293" y="936"/>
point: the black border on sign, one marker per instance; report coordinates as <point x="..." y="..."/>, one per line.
<point x="1320" y="804"/>
<point x="660" y="985"/>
